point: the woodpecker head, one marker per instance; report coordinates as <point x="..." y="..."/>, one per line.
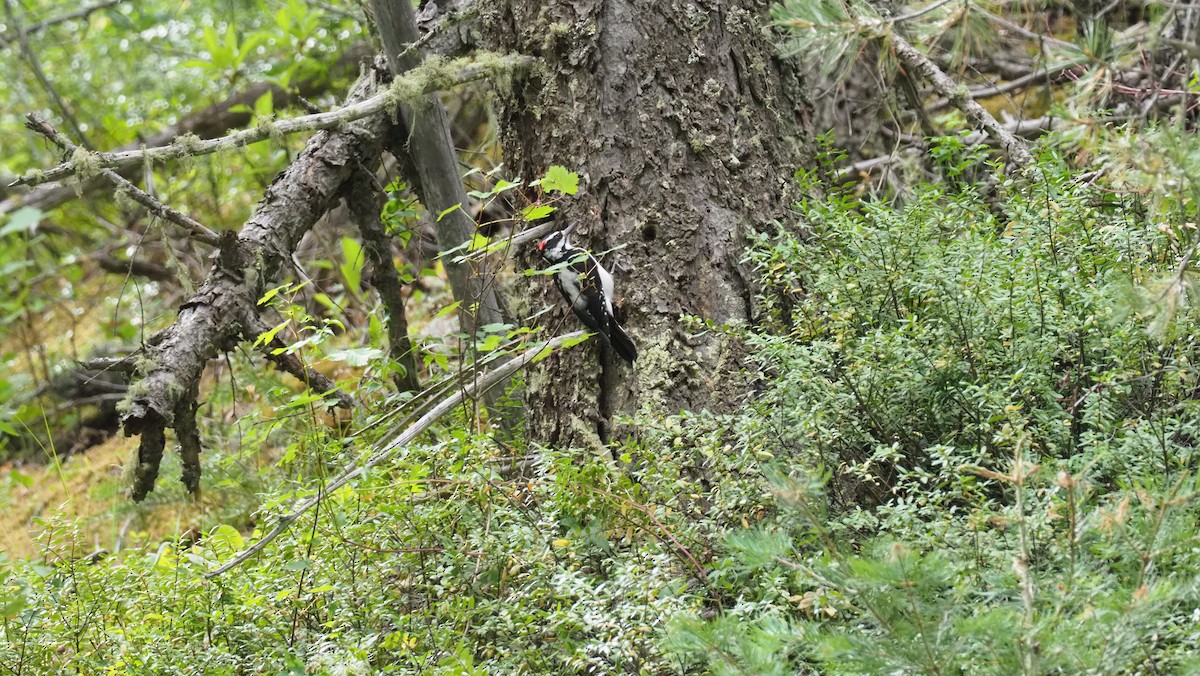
<point x="554" y="246"/>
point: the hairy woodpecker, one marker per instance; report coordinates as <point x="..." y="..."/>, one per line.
<point x="588" y="287"/>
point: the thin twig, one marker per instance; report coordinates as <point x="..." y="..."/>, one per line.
<point x="920" y="12"/>
<point x="38" y="27"/>
<point x="414" y="84"/>
<point x="1025" y="32"/>
<point x="390" y="447"/>
<point x="36" y="66"/>
<point x="199" y="231"/>
<point x="1010" y="86"/>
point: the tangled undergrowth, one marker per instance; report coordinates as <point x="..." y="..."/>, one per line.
<point x="972" y="449"/>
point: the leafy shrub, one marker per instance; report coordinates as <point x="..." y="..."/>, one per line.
<point x="1008" y="452"/>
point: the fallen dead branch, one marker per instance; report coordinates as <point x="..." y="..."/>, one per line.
<point x="390" y="446"/>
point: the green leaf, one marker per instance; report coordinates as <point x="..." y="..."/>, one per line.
<point x="537" y="212"/>
<point x="352" y="265"/>
<point x="446" y="212"/>
<point x="448" y="310"/>
<point x="559" y="179"/>
<point x="355" y="356"/>
<point x="565" y="344"/>
<point x="325" y="301"/>
<point x="266" y="337"/>
<point x="271" y="293"/>
<point x="224" y="540"/>
<point x="22" y="220"/>
<point x="7" y="428"/>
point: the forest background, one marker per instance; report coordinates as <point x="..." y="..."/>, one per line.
<point x="912" y="286"/>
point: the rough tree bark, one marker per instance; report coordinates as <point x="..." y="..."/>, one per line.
<point x="685" y="129"/>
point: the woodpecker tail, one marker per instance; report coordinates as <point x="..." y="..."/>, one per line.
<point x="621" y="342"/>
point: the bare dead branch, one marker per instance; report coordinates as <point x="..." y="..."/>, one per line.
<point x="914" y="60"/>
<point x="439" y="179"/>
<point x="435" y="76"/>
<point x="218" y="315"/>
<point x="1023" y="128"/>
<point x="1008" y="87"/>
<point x="214" y="120"/>
<point x="1025" y="32"/>
<point x="137" y="268"/>
<point x="364" y="200"/>
<point x="199" y="231"/>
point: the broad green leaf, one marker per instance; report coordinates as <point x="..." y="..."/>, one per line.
<point x="355" y="356"/>
<point x="271" y="293"/>
<point x="537" y="212"/>
<point x="266" y="337"/>
<point x="559" y="179"/>
<point x="448" y="310"/>
<point x="352" y="265"/>
<point x="21" y="220"/>
<point x="224" y="540"/>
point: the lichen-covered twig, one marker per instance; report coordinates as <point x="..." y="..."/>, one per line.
<point x="207" y="122"/>
<point x="960" y="97"/>
<point x="433" y="75"/>
<point x="390" y="446"/>
<point x="200" y="232"/>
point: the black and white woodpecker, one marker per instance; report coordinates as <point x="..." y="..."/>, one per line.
<point x="588" y="287"/>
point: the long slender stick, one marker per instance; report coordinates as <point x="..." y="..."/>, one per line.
<point x="960" y="97"/>
<point x="411" y="85"/>
<point x="389" y="448"/>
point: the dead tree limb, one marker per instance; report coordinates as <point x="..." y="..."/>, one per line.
<point x="208" y="122"/>
<point x="216" y="317"/>
<point x="432" y="152"/>
<point x="365" y="201"/>
<point x="439" y="181"/>
<point x="412" y="86"/>
<point x="37" y="123"/>
<point x="958" y="95"/>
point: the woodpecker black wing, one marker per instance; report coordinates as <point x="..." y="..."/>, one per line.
<point x="593" y="305"/>
<point x="589" y="288"/>
<point x="580" y="285"/>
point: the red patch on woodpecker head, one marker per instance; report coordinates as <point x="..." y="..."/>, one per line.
<point x="542" y="244"/>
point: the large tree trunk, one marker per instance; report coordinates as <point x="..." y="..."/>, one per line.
<point x="686" y="131"/>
